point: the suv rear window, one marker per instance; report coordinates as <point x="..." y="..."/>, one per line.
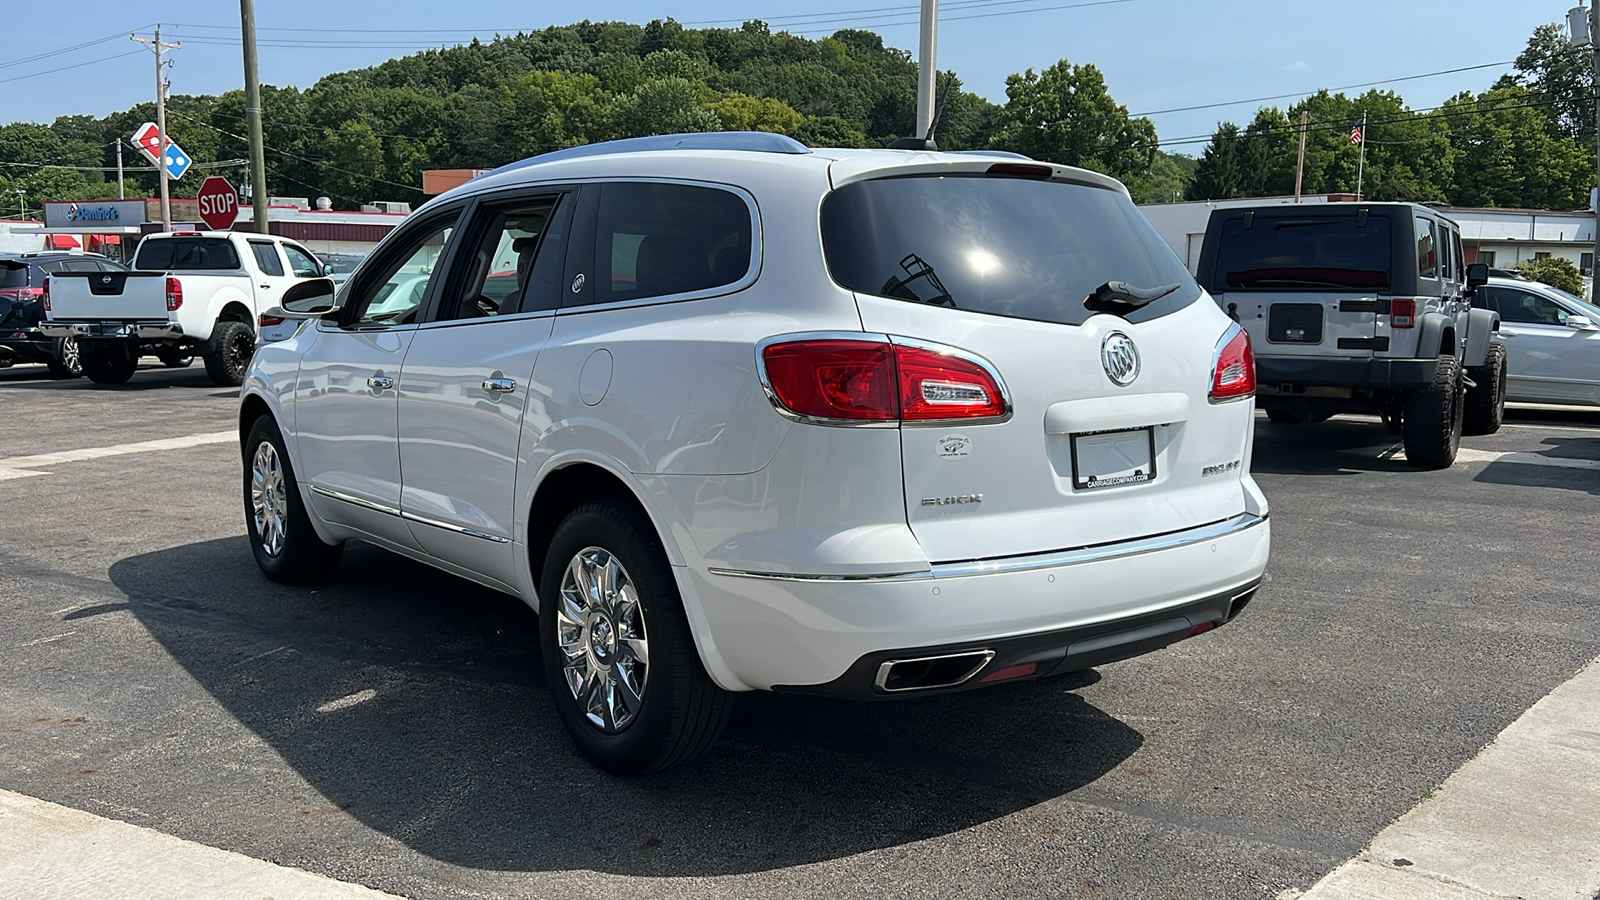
<point x="1012" y="247"/>
<point x="187" y="253"/>
<point x="1306" y="252"/>
<point x="13" y="275"/>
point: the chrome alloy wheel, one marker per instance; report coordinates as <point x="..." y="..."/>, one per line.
<point x="69" y="356"/>
<point x="269" y="499"/>
<point x="605" y="654"/>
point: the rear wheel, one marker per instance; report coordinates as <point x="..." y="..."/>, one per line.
<point x="1431" y="423"/>
<point x="111" y="364"/>
<point x="66" y="362"/>
<point x="233" y="343"/>
<point x="622" y="664"/>
<point x="1486" y="403"/>
<point x="285" y="545"/>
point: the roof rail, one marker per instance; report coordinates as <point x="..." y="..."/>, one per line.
<point x="753" y="141"/>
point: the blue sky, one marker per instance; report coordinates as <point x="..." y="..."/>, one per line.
<point x="1156" y="54"/>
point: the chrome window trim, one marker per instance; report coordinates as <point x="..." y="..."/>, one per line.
<point x="1049" y="560"/>
<point x="752" y="271"/>
<point x="870" y="337"/>
<point x="354" y="501"/>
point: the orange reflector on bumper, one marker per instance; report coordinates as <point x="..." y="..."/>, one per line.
<point x="1010" y="672"/>
<point x="1202" y="628"/>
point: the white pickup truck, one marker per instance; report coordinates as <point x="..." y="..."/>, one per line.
<point x="198" y="293"/>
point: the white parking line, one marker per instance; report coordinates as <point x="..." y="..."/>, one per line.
<point x="1515" y="821"/>
<point x="1465" y="455"/>
<point x="54" y="852"/>
<point x="19" y="466"/>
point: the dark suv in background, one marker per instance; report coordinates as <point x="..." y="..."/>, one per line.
<point x="22" y="309"/>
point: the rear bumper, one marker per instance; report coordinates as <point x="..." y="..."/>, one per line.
<point x="32" y="347"/>
<point x="143" y="330"/>
<point x="1062" y="611"/>
<point x="1401" y="374"/>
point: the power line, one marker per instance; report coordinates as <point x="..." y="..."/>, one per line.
<point x="73" y="66"/>
<point x="46" y="55"/>
<point x="319" y="163"/>
<point x="1347" y="87"/>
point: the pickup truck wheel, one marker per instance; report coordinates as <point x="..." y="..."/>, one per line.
<point x="285" y="545"/>
<point x="234" y="343"/>
<point x="1430" y="425"/>
<point x="622" y="665"/>
<point x="175" y="359"/>
<point x="107" y="365"/>
<point x="1486" y="403"/>
<point x="66" y="363"/>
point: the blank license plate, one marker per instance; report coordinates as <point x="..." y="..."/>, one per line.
<point x="1112" y="458"/>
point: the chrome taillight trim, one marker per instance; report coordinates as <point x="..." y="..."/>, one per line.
<point x="1216" y="357"/>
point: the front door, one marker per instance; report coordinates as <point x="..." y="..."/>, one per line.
<point x="1547" y="359"/>
<point x="464" y="386"/>
<point x="346" y="410"/>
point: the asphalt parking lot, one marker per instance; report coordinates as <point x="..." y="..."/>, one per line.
<point x="389" y="727"/>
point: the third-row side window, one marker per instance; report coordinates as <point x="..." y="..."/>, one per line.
<point x="658" y="239"/>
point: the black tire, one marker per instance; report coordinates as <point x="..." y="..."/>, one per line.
<point x="65" y="361"/>
<point x="1430" y="425"/>
<point x="107" y="365"/>
<point x="678" y="712"/>
<point x="233" y="344"/>
<point x="1486" y="403"/>
<point x="1282" y="417"/>
<point x="290" y="551"/>
<point x="173" y="358"/>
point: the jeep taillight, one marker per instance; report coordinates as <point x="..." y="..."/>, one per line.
<point x="856" y="381"/>
<point x="174" y="294"/>
<point x="1402" y="313"/>
<point x="1234" y="374"/>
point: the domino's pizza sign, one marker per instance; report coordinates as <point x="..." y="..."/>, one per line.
<point x="90" y="216"/>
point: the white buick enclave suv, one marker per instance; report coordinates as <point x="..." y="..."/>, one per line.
<point x="732" y="415"/>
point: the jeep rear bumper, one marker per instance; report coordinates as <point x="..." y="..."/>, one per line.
<point x="1394" y="374"/>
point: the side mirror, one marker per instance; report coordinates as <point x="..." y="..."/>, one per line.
<point x="1581" y="323"/>
<point x="310" y="298"/>
<point x="1477" y="275"/>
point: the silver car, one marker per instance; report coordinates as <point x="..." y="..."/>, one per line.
<point x="1552" y="339"/>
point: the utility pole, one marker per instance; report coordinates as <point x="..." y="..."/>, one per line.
<point x="1300" y="164"/>
<point x="252" y="111"/>
<point x="927" y="69"/>
<point x="161" y="124"/>
<point x="120" y="194"/>
<point x="1594" y="265"/>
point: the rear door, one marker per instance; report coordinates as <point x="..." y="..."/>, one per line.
<point x="1304" y="283"/>
<point x="270" y="274"/>
<point x="1000" y="267"/>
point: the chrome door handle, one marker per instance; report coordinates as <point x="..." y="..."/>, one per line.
<point x="380" y="382"/>
<point x="499" y="385"/>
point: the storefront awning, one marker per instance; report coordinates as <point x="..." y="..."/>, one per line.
<point x="60" y="242"/>
<point x="102" y="240"/>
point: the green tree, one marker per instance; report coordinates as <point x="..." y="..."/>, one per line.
<point x="829" y="131"/>
<point x="738" y="112"/>
<point x="663" y="106"/>
<point x="1064" y="114"/>
<point x="1219" y="174"/>
<point x="1556" y="272"/>
<point x="1554" y="70"/>
<point x="1508" y="153"/>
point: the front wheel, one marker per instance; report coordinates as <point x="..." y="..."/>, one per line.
<point x="1430" y="424"/>
<point x="66" y="362"/>
<point x="108" y="364"/>
<point x="617" y="649"/>
<point x="233" y="343"/>
<point x="285" y="545"/>
<point x="1486" y="403"/>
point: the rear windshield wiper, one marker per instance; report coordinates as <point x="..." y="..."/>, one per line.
<point x="1118" y="297"/>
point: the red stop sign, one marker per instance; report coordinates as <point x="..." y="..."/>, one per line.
<point x="219" y="203"/>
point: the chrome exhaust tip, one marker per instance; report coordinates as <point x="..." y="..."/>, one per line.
<point x="928" y="672"/>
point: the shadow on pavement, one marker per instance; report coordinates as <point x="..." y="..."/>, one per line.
<point x="147" y="378"/>
<point x="459" y="755"/>
<point x="1342" y="445"/>
<point x="1559" y="447"/>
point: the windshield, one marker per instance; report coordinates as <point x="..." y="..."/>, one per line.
<point x="1005" y="246"/>
<point x="1584" y="306"/>
<point x="1310" y="252"/>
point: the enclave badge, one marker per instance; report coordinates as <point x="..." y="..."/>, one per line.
<point x="1120" y="358"/>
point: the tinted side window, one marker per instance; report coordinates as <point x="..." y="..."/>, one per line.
<point x="1427" y="249"/>
<point x="1525" y="308"/>
<point x="267" y="257"/>
<point x="655" y="240"/>
<point x="194" y="253"/>
<point x="514" y="261"/>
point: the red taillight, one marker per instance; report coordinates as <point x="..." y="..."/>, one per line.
<point x="1234" y="375"/>
<point x="867" y="381"/>
<point x="266" y="321"/>
<point x="45" y="294"/>
<point x="1402" y="313"/>
<point x="174" y="294"/>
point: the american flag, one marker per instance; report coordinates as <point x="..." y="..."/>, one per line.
<point x="1355" y="131"/>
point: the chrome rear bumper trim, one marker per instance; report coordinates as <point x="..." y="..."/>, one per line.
<point x="1054" y="559"/>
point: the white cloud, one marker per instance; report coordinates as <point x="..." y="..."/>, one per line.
<point x="1298" y="66"/>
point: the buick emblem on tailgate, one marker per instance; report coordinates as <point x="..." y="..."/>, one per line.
<point x="1120" y="358"/>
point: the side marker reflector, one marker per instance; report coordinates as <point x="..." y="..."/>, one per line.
<point x="1010" y="672"/>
